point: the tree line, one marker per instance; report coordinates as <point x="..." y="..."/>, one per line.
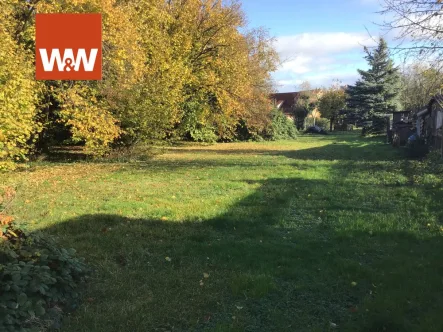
<point x="171" y="69"/>
<point x="382" y="89"/>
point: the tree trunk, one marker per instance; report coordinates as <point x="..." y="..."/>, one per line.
<point x="331" y="123"/>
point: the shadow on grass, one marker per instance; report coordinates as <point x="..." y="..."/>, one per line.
<point x="65" y="154"/>
<point x="282" y="259"/>
<point x="356" y="149"/>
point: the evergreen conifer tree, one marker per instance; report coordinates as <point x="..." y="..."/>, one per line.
<point x="377" y="91"/>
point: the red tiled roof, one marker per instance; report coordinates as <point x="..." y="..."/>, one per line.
<point x="288" y="98"/>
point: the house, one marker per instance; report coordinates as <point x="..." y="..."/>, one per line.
<point x="429" y="122"/>
<point x="285" y="102"/>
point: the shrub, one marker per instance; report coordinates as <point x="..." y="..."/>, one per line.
<point x="38" y="280"/>
<point x="194" y="125"/>
<point x="281" y="127"/>
<point x="203" y="134"/>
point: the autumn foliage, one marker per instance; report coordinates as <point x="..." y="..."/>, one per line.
<point x="171" y="69"/>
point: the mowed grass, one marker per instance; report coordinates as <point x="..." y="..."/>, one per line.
<point x="321" y="233"/>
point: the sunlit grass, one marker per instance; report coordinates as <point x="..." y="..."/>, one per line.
<point x="273" y="236"/>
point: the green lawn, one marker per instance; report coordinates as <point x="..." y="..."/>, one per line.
<point x="317" y="234"/>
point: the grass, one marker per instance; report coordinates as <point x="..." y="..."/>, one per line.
<point x="317" y="234"/>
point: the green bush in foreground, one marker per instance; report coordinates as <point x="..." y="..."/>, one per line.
<point x="281" y="127"/>
<point x="38" y="281"/>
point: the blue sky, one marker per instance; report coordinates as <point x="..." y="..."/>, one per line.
<point x="319" y="41"/>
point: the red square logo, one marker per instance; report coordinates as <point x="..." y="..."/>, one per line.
<point x="68" y="47"/>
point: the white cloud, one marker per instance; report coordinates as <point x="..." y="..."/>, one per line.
<point x="320" y="44"/>
<point x="320" y="58"/>
<point x="317" y="80"/>
<point x="299" y="65"/>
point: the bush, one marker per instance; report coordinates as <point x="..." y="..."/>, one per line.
<point x="194" y="126"/>
<point x="281" y="127"/>
<point x="203" y="134"/>
<point x="38" y="280"/>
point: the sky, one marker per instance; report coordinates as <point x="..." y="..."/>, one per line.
<point x="319" y="41"/>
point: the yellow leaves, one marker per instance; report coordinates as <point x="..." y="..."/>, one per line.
<point x="5" y="220"/>
<point x="13" y="233"/>
<point x="157" y="56"/>
<point x="90" y="120"/>
<point x="332" y="101"/>
<point x="17" y="99"/>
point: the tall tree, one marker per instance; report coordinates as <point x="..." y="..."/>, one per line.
<point x="419" y="83"/>
<point x="18" y="91"/>
<point x="331" y="103"/>
<point x="377" y="91"/>
<point x="183" y="68"/>
<point x="307" y="101"/>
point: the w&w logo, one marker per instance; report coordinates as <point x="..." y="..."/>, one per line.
<point x="68" y="47"/>
<point x="68" y="63"/>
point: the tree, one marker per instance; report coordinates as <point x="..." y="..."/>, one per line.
<point x="377" y="92"/>
<point x="307" y="101"/>
<point x="229" y="72"/>
<point x="419" y="83"/>
<point x="418" y="25"/>
<point x="184" y="69"/>
<point x="331" y="103"/>
<point x="18" y="93"/>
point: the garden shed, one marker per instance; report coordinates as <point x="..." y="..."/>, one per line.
<point x="401" y="128"/>
<point x="429" y="122"/>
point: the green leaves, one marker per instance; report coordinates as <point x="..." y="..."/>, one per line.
<point x="281" y="127"/>
<point x="35" y="277"/>
<point x="39" y="310"/>
<point x="157" y="59"/>
<point x="377" y="91"/>
<point x="22" y="298"/>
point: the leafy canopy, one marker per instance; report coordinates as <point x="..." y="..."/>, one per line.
<point x="183" y="69"/>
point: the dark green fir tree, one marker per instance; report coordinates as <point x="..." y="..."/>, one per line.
<point x="377" y="91"/>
